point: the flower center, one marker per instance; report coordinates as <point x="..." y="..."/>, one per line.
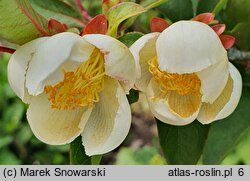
<point x="79" y="88"/>
<point x="181" y="83"/>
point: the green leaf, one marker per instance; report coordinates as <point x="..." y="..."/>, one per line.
<point x="77" y="153"/>
<point x="149" y="4"/>
<point x="9" y="158"/>
<point x="143" y="156"/>
<point x="19" y="23"/>
<point x="106" y="5"/>
<point x="12" y="116"/>
<point x="24" y="134"/>
<point x="242" y="34"/>
<point x="214" y="6"/>
<point x="177" y="10"/>
<point x="182" y="145"/>
<point x="96" y="159"/>
<point x="117" y="14"/>
<point x="4" y="141"/>
<point x="236" y="11"/>
<point x="129" y="38"/>
<point x="240" y="154"/>
<point x="225" y="134"/>
<point x="58" y="10"/>
<point x="133" y="96"/>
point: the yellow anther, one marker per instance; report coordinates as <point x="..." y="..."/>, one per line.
<point x="181" y="83"/>
<point x="80" y="88"/>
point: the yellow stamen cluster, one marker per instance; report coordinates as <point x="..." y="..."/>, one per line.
<point x="79" y="88"/>
<point x="181" y="83"/>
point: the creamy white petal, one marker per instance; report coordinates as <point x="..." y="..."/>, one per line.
<point x="49" y="61"/>
<point x="54" y="126"/>
<point x="183" y="105"/>
<point x="109" y="122"/>
<point x="213" y="80"/>
<point x="18" y="64"/>
<point x="143" y="50"/>
<point x="119" y="62"/>
<point x="188" y="46"/>
<point x="161" y="109"/>
<point x="138" y="50"/>
<point x="226" y="103"/>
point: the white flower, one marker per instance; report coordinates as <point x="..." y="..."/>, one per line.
<point x="75" y="85"/>
<point x="185" y="74"/>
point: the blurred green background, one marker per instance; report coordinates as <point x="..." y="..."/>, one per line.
<point x="19" y="146"/>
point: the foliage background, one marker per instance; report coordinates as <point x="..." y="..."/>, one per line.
<point x="228" y="140"/>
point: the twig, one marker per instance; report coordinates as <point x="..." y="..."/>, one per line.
<point x="237" y="55"/>
<point x="7" y="50"/>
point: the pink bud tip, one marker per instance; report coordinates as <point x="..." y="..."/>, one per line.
<point x="227" y="41"/>
<point x="219" y="28"/>
<point x="55" y="26"/>
<point x="98" y="25"/>
<point x="206" y="18"/>
<point x="158" y="24"/>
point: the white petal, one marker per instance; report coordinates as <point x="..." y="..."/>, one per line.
<point x="226" y="103"/>
<point x="119" y="62"/>
<point x="52" y="57"/>
<point x="161" y="110"/>
<point x="54" y="126"/>
<point x="188" y="46"/>
<point x="143" y="50"/>
<point x="138" y="50"/>
<point x="183" y="105"/>
<point x="109" y="122"/>
<point x="213" y="80"/>
<point x="18" y="65"/>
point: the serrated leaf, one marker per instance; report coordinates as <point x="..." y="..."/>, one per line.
<point x="19" y="23"/>
<point x="77" y="153"/>
<point x="129" y="38"/>
<point x="58" y="10"/>
<point x="214" y="6"/>
<point x="177" y="10"/>
<point x="225" y="134"/>
<point x="117" y="14"/>
<point x="242" y="34"/>
<point x="182" y="145"/>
